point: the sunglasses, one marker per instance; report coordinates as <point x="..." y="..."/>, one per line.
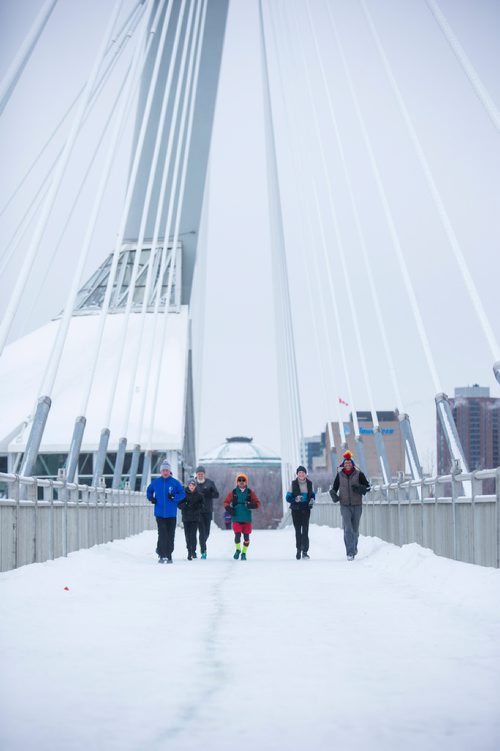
<point x="241" y="479"/>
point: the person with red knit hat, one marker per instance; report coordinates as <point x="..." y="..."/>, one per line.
<point x="240" y="502"/>
<point x="349" y="487"/>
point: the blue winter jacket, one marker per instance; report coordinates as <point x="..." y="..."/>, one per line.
<point x="161" y="488"/>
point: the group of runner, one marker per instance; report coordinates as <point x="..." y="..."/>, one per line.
<point x="196" y="503"/>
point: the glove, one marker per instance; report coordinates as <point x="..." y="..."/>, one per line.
<point x="310" y="504"/>
<point x="170" y="495"/>
<point x="333" y="495"/>
<point x="230" y="509"/>
<point x="251" y="504"/>
<point x="152" y="500"/>
<point x="361" y="489"/>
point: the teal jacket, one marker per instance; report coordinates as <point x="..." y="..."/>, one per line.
<point x="237" y="502"/>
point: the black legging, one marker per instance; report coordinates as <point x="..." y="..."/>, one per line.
<point x="246" y="538"/>
<point x="190" y="528"/>
<point x="301" y="524"/>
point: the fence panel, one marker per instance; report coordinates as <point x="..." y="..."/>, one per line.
<point x="65" y="519"/>
<point x="460" y="527"/>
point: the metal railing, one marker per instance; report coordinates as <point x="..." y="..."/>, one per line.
<point x="453" y="515"/>
<point x="43" y="519"/>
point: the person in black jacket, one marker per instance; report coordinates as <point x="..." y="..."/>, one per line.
<point x="191" y="513"/>
<point x="301" y="498"/>
<point x="349" y="487"/>
<point x="208" y="490"/>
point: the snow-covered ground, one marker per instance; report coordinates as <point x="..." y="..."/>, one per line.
<point x="397" y="650"/>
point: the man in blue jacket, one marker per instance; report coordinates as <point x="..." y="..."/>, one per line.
<point x="165" y="492"/>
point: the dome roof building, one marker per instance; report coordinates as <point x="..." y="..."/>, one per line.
<point x="241" y="451"/>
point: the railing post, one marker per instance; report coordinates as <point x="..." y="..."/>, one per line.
<point x="34" y="491"/>
<point x="476" y="485"/>
<point x="17" y="495"/>
<point x="126" y="508"/>
<point x="400" y="481"/>
<point x="456" y="490"/>
<point x="61" y="476"/>
<point x="102" y="492"/>
<point x="422" y="503"/>
<point x="87" y="496"/>
<point x="50" y="498"/>
<point x="497" y="508"/>
<point x="75" y="496"/>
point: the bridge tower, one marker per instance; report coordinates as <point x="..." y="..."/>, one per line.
<point x="157" y="241"/>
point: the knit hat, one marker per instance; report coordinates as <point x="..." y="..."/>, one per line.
<point x="348" y="457"/>
<point x="300" y="468"/>
<point x="166" y="465"/>
<point x="242" y="474"/>
<point x="200" y="469"/>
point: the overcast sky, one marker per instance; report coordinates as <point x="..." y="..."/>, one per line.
<point x="239" y="393"/>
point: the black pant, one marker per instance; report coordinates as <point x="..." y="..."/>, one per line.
<point x="205" y="522"/>
<point x="166" y="534"/>
<point x="301" y="524"/>
<point x="190" y="529"/>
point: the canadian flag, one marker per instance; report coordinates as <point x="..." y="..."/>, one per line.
<point x="343" y="402"/>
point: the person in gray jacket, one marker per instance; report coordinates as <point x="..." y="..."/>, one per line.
<point x="349" y="487"/>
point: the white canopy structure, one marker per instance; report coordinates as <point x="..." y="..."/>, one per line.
<point x="24" y="361"/>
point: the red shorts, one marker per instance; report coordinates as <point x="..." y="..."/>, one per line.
<point x="245" y="527"/>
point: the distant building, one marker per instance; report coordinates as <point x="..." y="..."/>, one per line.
<point x="241" y="452"/>
<point x="391" y="432"/>
<point x="315" y="452"/>
<point x="477" y="417"/>
<point x="263" y="467"/>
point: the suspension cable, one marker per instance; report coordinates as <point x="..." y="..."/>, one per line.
<point x="357" y="221"/>
<point x="119" y="46"/>
<point x="49" y="200"/>
<point x="128" y="200"/>
<point x="23" y="225"/>
<point x="115" y="139"/>
<point x="466" y="64"/>
<point x="340" y="248"/>
<point x="15" y="69"/>
<point x="146" y="211"/>
<point x="124" y="99"/>
<point x="192" y="85"/>
<point x="300" y="171"/>
<point x="396" y="244"/>
<point x="284" y="320"/>
<point x="331" y="287"/>
<point x="438" y="201"/>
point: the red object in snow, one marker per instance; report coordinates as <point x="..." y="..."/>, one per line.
<point x="67" y="589"/>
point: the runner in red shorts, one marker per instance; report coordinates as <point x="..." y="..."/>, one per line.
<point x="240" y="502"/>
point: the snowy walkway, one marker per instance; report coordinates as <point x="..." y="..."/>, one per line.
<point x="398" y="650"/>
